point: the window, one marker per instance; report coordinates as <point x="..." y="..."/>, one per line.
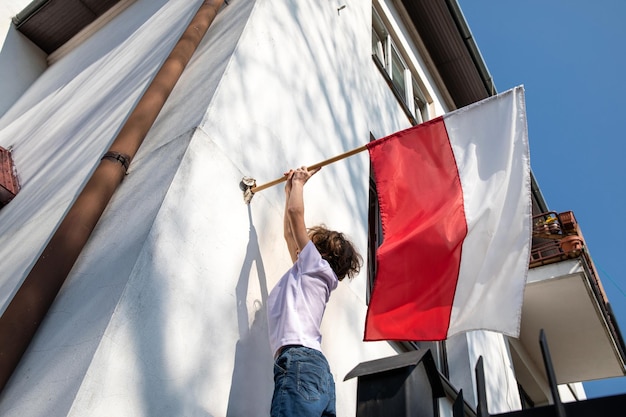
<point x="380" y="37"/>
<point x="420" y="106"/>
<point x="393" y="65"/>
<point x="399" y="73"/>
<point x="375" y="235"/>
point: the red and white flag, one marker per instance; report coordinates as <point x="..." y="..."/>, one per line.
<point x="455" y="205"/>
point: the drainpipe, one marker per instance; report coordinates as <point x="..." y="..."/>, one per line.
<point x="30" y="304"/>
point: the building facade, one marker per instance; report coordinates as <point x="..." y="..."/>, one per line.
<point x="163" y="312"/>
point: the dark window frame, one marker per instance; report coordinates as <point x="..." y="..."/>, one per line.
<point x="387" y="67"/>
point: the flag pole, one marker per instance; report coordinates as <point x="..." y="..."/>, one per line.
<point x="249" y="184"/>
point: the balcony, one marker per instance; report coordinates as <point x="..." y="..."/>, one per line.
<point x="565" y="297"/>
<point x="556" y="238"/>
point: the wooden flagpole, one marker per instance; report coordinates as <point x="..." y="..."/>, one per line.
<point x="312" y="167"/>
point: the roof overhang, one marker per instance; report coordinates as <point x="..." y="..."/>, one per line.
<point x="561" y="298"/>
<point x="452" y="49"/>
<point x="51" y="23"/>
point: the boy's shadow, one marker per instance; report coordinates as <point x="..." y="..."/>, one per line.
<point x="252" y="382"/>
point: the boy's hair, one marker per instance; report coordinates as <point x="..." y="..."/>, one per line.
<point x="338" y="251"/>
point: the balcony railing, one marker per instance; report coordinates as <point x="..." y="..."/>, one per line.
<point x="556" y="237"/>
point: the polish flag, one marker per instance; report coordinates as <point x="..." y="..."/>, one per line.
<point x="455" y="204"/>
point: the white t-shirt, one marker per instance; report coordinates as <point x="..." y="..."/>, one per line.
<point x="296" y="304"/>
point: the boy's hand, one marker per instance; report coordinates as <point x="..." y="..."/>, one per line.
<point x="301" y="175"/>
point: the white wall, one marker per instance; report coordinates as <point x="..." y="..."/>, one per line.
<point x="209" y="260"/>
<point x="21" y="62"/>
<point x="164" y="312"/>
<point x="465" y="349"/>
<point x="59" y="129"/>
<point x="572" y="392"/>
<point x="302" y="87"/>
<point x="164" y="308"/>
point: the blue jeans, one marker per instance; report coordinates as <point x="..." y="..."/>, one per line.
<point x="303" y="384"/>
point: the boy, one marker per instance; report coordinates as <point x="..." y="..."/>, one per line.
<point x="303" y="384"/>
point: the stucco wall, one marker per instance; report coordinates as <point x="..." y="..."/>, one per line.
<point x="21" y="62"/>
<point x="308" y="90"/>
<point x="189" y="331"/>
<point x="58" y="130"/>
<point x="465" y="349"/>
<point x="164" y="312"/>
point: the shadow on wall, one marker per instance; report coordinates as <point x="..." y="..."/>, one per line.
<point x="130" y="30"/>
<point x="22" y="63"/>
<point x="252" y="381"/>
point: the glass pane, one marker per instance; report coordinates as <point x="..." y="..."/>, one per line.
<point x="397" y="72"/>
<point x="378" y="49"/>
<point x="419" y="101"/>
<point x="379" y="38"/>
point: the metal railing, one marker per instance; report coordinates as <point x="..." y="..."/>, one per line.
<point x="556" y="238"/>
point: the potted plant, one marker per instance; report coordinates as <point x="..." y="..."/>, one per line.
<point x="571" y="244"/>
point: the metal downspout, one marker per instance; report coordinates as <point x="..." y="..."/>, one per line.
<point x="30" y="304"/>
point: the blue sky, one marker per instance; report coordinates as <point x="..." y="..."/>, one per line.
<point x="569" y="55"/>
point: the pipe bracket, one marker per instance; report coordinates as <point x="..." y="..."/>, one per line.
<point x="119" y="157"/>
